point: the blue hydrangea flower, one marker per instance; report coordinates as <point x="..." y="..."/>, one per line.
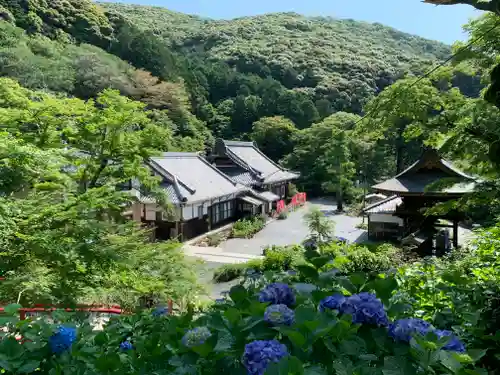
<point x="62" y="339"/>
<point x="404" y="329"/>
<point x="365" y="308"/>
<point x="454" y="344"/>
<point x="277" y="293"/>
<point x="279" y="314"/>
<point x="196" y="337"/>
<point x="332" y="302"/>
<point x="126" y="345"/>
<point x="258" y="354"/>
<point x="160" y="311"/>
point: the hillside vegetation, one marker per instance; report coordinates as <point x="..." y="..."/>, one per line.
<point x="344" y="62"/>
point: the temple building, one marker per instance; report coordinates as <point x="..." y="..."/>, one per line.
<point x="429" y="181"/>
<point x="246" y="164"/>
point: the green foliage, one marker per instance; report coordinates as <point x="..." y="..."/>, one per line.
<point x="318" y="340"/>
<point x="247" y="228"/>
<point x="82" y="19"/>
<point x="283" y="215"/>
<point x="64" y="237"/>
<point x="273" y="136"/>
<point x="320" y="226"/>
<point x="282" y="258"/>
<point x="214" y="239"/>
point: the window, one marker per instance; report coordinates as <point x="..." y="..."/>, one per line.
<point x="222" y="211"/>
<point x="200" y="212"/>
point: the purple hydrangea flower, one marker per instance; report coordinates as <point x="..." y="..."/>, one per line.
<point x="332" y="302"/>
<point x="279" y="314"/>
<point x="365" y="308"/>
<point x="62" y="339"/>
<point x="258" y="354"/>
<point x="126" y="345"/>
<point x="404" y="329"/>
<point x="196" y="337"/>
<point x="454" y="344"/>
<point x="276" y="294"/>
<point x="160" y="311"/>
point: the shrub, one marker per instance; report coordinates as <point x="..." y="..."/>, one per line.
<point x="282" y="258"/>
<point x="214" y="239"/>
<point x="229" y="272"/>
<point x="363" y="226"/>
<point x="247" y="228"/>
<point x="363" y="260"/>
<point x="283" y="215"/>
<point x="350" y="325"/>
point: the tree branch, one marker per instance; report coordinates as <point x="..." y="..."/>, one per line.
<point x="488" y="6"/>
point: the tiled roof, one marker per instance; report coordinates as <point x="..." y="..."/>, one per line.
<point x="267" y="196"/>
<point x="428" y="170"/>
<point x="256" y="162"/>
<point x="189" y="178"/>
<point x="240" y="175"/>
<point x="386" y="206"/>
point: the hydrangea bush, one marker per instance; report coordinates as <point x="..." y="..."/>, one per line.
<point x="311" y="322"/>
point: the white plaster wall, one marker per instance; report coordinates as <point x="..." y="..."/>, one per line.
<point x="386" y="218"/>
<point x="191" y="211"/>
<point x="150" y="212"/>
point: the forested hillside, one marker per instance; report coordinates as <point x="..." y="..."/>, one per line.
<point x="331" y="65"/>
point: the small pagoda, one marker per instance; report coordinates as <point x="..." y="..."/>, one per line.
<point x="429" y="181"/>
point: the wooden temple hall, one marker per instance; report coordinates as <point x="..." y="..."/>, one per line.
<point x="400" y="215"/>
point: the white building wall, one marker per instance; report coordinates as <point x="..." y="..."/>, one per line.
<point x="386" y="218"/>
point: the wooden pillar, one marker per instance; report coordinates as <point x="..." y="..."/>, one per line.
<point x="137" y="209"/>
<point x="455" y="234"/>
<point x="181" y="232"/>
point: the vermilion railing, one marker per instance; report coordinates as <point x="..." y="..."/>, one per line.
<point x="297" y="200"/>
<point x="115" y="310"/>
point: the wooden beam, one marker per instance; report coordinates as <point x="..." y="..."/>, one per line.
<point x="455" y="234"/>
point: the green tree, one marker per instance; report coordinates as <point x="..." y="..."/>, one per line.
<point x="338" y="163"/>
<point x="64" y="235"/>
<point x="310" y="150"/>
<point x="320" y="226"/>
<point x="274" y="136"/>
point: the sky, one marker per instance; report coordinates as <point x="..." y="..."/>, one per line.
<point x="442" y="23"/>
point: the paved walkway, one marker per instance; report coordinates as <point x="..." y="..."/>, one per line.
<point x="279" y="232"/>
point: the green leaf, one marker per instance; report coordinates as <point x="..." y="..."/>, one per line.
<point x="305" y="314"/>
<point x="29" y="366"/>
<point x="287" y="366"/>
<point x="238" y="293"/>
<point x="295" y="337"/>
<point x="397" y="366"/>
<point x="449" y="361"/>
<point x="233" y="315"/>
<point x="12" y="309"/>
<point x="224" y="343"/>
<point x="319" y="262"/>
<point x="347" y="285"/>
<point x="384" y="287"/>
<point x="315" y="370"/>
<point x="101" y="338"/>
<point x="358" y="278"/>
<point x="477" y="354"/>
<point x="308" y="271"/>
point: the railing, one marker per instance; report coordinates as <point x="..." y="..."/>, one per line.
<point x="298" y="199"/>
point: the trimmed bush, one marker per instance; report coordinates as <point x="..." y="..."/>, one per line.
<point x="283" y="215"/>
<point x="247" y="228"/>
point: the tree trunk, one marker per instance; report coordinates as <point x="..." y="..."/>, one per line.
<point x="340" y="200"/>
